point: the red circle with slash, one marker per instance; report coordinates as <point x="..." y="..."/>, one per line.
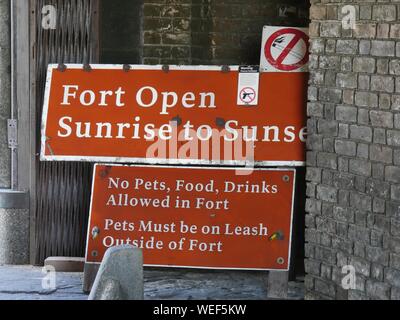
<point x="278" y="62"/>
<point x="250" y="93"/>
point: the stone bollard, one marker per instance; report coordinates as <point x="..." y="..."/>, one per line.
<point x="120" y="276"/>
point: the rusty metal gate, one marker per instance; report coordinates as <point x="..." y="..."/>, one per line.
<point x="61" y="205"/>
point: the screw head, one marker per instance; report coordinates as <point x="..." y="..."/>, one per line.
<point x="165" y="68"/>
<point x="105" y="172"/>
<point x="225" y="69"/>
<point x="280" y="260"/>
<point x="62" y="67"/>
<point x="95" y="253"/>
<point x="87" y="67"/>
<point x="95" y="232"/>
<point x="176" y="121"/>
<point x="220" y="122"/>
<point x="126" y="67"/>
<point x="286" y="178"/>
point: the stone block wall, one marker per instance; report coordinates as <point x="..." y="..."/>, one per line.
<point x="353" y="157"/>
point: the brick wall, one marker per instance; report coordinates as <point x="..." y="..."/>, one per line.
<point x="212" y="31"/>
<point x="353" y="174"/>
<point x="120" y="31"/>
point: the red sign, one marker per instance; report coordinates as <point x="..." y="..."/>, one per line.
<point x="194" y="217"/>
<point x="183" y="115"/>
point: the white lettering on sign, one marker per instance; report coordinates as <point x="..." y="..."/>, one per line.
<point x="71" y="91"/>
<point x="170" y="99"/>
<point x="146" y="97"/>
<point x="232" y="131"/>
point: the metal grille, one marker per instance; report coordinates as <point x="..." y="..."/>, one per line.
<point x="62" y="189"/>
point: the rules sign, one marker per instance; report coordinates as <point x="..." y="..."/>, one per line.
<point x="193" y="217"/>
<point x="175" y="115"/>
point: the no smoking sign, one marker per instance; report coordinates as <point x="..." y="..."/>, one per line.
<point x="284" y="49"/>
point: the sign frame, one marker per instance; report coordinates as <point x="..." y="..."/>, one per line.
<point x="198" y="168"/>
<point x="141" y="160"/>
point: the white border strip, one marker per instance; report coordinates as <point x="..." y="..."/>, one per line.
<point x="45" y="111"/>
<point x="145" y="67"/>
<point x="155" y="161"/>
<point x="198" y="168"/>
<point x="46" y="104"/>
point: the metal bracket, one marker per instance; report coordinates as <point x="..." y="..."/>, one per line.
<point x="14" y="199"/>
<point x="12" y="126"/>
<point x="286" y="11"/>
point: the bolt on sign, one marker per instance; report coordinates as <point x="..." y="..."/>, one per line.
<point x="284" y="49"/>
<point x="193" y="217"/>
<point x="175" y="115"/>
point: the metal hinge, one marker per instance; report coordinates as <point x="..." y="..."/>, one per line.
<point x="12" y="126"/>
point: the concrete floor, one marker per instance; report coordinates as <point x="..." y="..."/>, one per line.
<point x="25" y="283"/>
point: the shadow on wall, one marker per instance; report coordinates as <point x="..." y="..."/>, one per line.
<point x="225" y="33"/>
<point x="121" y="31"/>
<point x="193" y="31"/>
<point x="231" y="33"/>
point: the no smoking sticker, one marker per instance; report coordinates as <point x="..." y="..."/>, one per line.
<point x="284" y="49"/>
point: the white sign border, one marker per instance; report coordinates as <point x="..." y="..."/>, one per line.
<point x="199" y="168"/>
